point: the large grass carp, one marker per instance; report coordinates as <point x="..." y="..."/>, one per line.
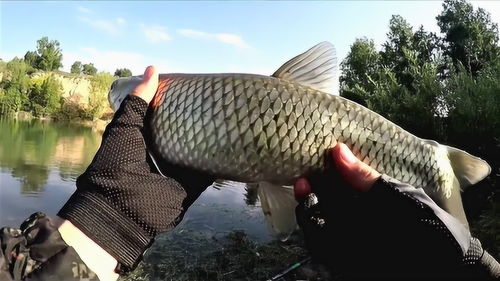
<point x="274" y="129"/>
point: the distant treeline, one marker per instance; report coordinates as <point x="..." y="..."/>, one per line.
<point x="444" y="87"/>
<point x="30" y="84"/>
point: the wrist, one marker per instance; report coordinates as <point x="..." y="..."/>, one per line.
<point x="96" y="258"/>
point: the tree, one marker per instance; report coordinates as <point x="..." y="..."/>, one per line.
<point x="401" y="81"/>
<point x="89" y="69"/>
<point x="471" y="38"/>
<point x="32" y="59"/>
<point x="123" y="72"/>
<point x="76" y="67"/>
<point x="405" y="48"/>
<point x="359" y="70"/>
<point x="50" y="54"/>
<point x="474" y="105"/>
<point x="15" y="85"/>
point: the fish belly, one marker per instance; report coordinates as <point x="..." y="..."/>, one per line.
<point x="253" y="128"/>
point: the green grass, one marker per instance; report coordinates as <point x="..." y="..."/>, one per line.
<point x="191" y="255"/>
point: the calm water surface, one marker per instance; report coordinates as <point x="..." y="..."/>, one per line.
<point x="40" y="161"/>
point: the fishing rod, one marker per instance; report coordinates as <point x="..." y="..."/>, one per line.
<point x="290" y="269"/>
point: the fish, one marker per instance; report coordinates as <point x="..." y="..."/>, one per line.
<point x="270" y="130"/>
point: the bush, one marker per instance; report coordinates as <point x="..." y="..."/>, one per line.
<point x="45" y="96"/>
<point x="98" y="98"/>
<point x="123" y="72"/>
<point x="76" y="67"/>
<point x="89" y="69"/>
<point x="15" y="85"/>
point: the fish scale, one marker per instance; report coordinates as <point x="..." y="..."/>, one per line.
<point x="242" y="120"/>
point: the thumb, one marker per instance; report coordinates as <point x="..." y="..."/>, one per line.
<point x="147" y="88"/>
<point x="355" y="173"/>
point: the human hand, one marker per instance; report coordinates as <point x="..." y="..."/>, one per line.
<point x="363" y="225"/>
<point x="142" y="195"/>
<point x="356" y="174"/>
<point x="330" y="210"/>
<point x="146" y="90"/>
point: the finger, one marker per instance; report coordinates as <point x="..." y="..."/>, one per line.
<point x="151" y="75"/>
<point x="357" y="174"/>
<point x="147" y="88"/>
<point x="301" y="189"/>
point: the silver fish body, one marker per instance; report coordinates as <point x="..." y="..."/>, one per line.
<point x="274" y="129"/>
<point x="253" y="128"/>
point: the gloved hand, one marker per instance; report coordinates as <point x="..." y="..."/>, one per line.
<point x="36" y="251"/>
<point x="122" y="200"/>
<point x="363" y="225"/>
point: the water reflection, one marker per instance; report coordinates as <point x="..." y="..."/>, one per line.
<point x="30" y="150"/>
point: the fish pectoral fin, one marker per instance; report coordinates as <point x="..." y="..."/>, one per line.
<point x="468" y="169"/>
<point x="278" y="204"/>
<point x="316" y="68"/>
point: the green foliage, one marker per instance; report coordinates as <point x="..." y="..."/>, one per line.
<point x="474" y="103"/>
<point x="49" y="54"/>
<point x="98" y="98"/>
<point x="89" y="69"/>
<point x="123" y="72"/>
<point x="76" y="67"/>
<point x="471" y="38"/>
<point x="359" y="70"/>
<point x="401" y="81"/>
<point x="32" y="59"/>
<point x="3" y="68"/>
<point x="15" y="85"/>
<point x="45" y="96"/>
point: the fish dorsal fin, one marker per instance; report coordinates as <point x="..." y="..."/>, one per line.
<point x="317" y="68"/>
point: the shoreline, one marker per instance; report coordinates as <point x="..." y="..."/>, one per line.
<point x="98" y="125"/>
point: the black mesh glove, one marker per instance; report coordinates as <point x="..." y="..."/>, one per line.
<point x="390" y="232"/>
<point x="36" y="251"/>
<point x="122" y="201"/>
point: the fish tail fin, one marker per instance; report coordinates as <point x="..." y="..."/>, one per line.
<point x="278" y="204"/>
<point x="468" y="169"/>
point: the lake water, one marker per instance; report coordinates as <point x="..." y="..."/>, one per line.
<point x="40" y="161"/>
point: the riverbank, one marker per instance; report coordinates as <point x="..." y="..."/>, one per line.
<point x="194" y="256"/>
<point x="98" y="125"/>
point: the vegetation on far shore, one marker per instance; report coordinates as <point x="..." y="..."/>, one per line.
<point x="31" y="84"/>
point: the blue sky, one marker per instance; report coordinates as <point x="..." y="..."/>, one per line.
<point x="202" y="36"/>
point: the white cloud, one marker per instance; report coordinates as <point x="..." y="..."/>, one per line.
<point x="109" y="60"/>
<point x="194" y="33"/>
<point x="109" y="26"/>
<point x="226" y="38"/>
<point x="155" y="33"/>
<point x="84" y="10"/>
<point x="232" y="39"/>
<point x="120" y="21"/>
